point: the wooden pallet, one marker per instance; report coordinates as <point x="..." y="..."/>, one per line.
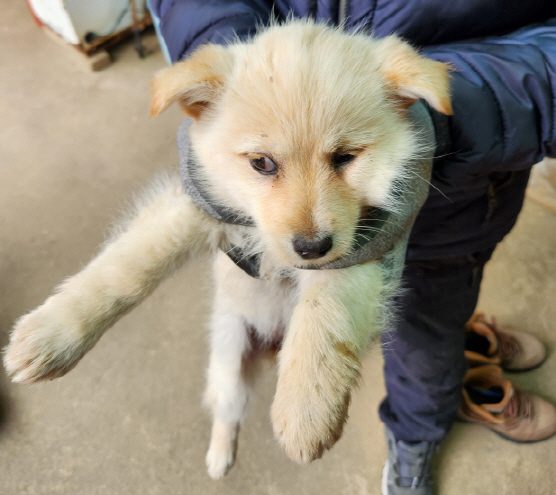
<point x="95" y="55"/>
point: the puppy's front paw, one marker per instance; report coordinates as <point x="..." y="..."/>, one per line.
<point x="310" y="406"/>
<point x="45" y="344"/>
<point x="309" y="426"/>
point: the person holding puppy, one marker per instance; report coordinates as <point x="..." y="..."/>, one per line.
<point x="504" y="122"/>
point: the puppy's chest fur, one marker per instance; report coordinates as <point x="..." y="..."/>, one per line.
<point x="264" y="303"/>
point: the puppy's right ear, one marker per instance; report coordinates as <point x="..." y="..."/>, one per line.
<point x="193" y="83"/>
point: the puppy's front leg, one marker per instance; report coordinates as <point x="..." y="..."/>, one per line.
<point x="335" y="317"/>
<point x="50" y="340"/>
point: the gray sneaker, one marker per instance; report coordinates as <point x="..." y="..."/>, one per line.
<point x="408" y="470"/>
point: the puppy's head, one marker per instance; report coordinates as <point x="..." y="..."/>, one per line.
<point x="302" y="128"/>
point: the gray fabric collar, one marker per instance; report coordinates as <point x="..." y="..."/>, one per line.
<point x="367" y="244"/>
<point x="193" y="185"/>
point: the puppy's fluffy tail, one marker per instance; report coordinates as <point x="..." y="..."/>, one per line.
<point x="163" y="229"/>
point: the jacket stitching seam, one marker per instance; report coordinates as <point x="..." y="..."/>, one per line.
<point x="345" y="13"/>
<point x="373" y="11"/>
<point x="313" y="8"/>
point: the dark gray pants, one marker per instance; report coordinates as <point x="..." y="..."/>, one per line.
<point x="423" y="353"/>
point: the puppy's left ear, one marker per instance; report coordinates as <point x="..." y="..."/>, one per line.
<point x="194" y="83"/>
<point x="412" y="76"/>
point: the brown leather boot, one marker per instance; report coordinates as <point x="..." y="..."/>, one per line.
<point x="485" y="343"/>
<point x="491" y="400"/>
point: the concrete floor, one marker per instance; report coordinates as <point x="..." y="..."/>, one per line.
<point x="128" y="420"/>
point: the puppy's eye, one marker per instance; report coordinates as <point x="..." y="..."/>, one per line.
<point x="341" y="159"/>
<point x="264" y="165"/>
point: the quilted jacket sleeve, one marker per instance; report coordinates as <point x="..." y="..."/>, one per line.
<point x="504" y="102"/>
<point x="185" y="25"/>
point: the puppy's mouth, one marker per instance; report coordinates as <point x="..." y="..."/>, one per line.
<point x="318" y="265"/>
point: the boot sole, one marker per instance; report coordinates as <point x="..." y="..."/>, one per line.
<point x="476" y="364"/>
<point x="513" y="440"/>
<point x="523" y="370"/>
<point x="505" y="437"/>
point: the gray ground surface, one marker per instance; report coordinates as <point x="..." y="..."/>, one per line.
<point x="128" y="420"/>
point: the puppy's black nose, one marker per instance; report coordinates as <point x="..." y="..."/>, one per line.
<point x="310" y="249"/>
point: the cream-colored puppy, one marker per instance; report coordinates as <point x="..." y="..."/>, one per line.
<point x="294" y="134"/>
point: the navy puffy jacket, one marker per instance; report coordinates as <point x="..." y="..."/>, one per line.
<point x="504" y="94"/>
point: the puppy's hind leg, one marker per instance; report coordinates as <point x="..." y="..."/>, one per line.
<point x="227" y="390"/>
<point x="163" y="230"/>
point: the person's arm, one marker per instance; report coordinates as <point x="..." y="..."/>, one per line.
<point x="504" y="99"/>
<point x="185" y="25"/>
